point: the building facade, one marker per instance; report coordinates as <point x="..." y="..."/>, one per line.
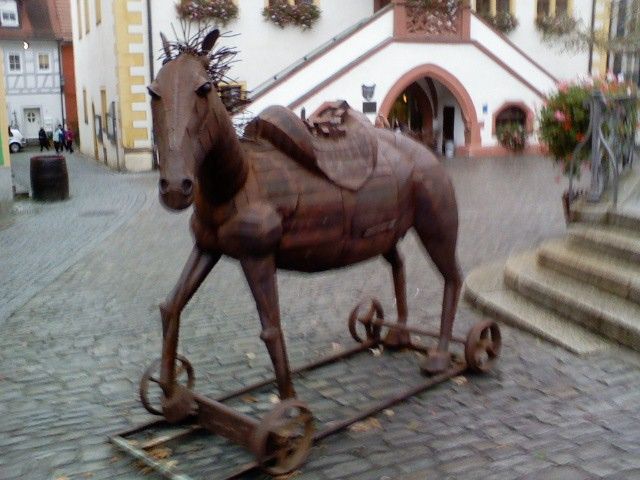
<point x="33" y="36"/>
<point x="450" y="80"/>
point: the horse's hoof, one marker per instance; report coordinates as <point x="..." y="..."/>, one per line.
<point x="435" y="362"/>
<point x="397" y="339"/>
<point x="179" y="406"/>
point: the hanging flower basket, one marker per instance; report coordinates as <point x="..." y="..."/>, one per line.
<point x="444" y="6"/>
<point x="217" y="11"/>
<point x="556" y="26"/>
<point x="503" y="21"/>
<point x="282" y="13"/>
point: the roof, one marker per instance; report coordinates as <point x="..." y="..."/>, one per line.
<point x="41" y="20"/>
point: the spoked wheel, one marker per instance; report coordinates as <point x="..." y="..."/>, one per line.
<point x="151" y="400"/>
<point x="482" y="347"/>
<point x="364" y="314"/>
<point x="284" y="437"/>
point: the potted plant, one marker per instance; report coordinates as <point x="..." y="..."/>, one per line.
<point x="512" y="136"/>
<point x="564" y="120"/>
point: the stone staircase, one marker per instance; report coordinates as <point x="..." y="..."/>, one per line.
<point x="581" y="291"/>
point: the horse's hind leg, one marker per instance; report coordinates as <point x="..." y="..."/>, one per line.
<point x="398" y="338"/>
<point x="438" y="231"/>
<point x="261" y="276"/>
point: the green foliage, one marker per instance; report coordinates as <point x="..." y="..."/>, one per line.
<point x="282" y="14"/>
<point x="218" y="11"/>
<point x="512" y="136"/>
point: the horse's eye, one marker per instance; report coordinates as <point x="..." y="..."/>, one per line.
<point x="204" y="89"/>
<point x="153" y="94"/>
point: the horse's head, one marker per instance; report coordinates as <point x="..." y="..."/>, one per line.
<point x="179" y="106"/>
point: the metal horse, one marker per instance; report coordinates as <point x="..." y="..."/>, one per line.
<point x="255" y="203"/>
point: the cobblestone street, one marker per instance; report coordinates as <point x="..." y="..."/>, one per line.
<point x="82" y="280"/>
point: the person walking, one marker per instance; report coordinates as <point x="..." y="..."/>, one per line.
<point x="44" y="140"/>
<point x="68" y="140"/>
<point x="58" y="139"/>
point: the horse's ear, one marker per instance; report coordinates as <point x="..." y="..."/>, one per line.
<point x="210" y="40"/>
<point x="166" y="46"/>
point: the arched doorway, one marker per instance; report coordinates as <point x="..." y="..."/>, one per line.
<point x="437" y="109"/>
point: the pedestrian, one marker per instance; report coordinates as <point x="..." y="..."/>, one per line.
<point x="68" y="140"/>
<point x="44" y="140"/>
<point x="58" y="139"/>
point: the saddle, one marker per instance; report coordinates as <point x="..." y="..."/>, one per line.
<point x="336" y="141"/>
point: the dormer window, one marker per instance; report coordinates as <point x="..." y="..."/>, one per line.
<point x="9" y="13"/>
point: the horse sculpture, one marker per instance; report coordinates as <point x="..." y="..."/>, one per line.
<point x="301" y="196"/>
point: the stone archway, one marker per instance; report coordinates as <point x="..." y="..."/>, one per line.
<point x="470" y="118"/>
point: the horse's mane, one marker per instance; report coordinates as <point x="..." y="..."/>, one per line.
<point x="220" y="62"/>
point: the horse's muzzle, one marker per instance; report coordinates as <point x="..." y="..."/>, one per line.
<point x="176" y="198"/>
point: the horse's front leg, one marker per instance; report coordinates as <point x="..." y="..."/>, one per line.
<point x="177" y="403"/>
<point x="261" y="276"/>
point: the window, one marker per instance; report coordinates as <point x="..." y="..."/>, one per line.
<point x="87" y="17"/>
<point x="511" y="115"/>
<point x="15" y="63"/>
<point x="98" y="12"/>
<point x="44" y="62"/>
<point x="9" y="13"/>
<point x="562" y="7"/>
<point x="542" y="10"/>
<point x="547" y="8"/>
<point x="503" y="6"/>
<point x="483" y="7"/>
<point x="84" y="106"/>
<point x="79" y="16"/>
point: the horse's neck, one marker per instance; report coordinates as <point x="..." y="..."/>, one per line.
<point x="224" y="169"/>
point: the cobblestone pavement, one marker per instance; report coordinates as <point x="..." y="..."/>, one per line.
<point x="39" y="241"/>
<point x="71" y="356"/>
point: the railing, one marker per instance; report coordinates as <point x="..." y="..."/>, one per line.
<point x="317" y="52"/>
<point x="611" y="131"/>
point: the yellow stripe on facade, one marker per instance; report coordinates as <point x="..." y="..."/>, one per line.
<point x="602" y="23"/>
<point x="127" y="59"/>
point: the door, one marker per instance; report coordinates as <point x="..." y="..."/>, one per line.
<point x="32" y="123"/>
<point x="448" y="123"/>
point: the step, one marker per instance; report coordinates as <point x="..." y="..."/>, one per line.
<point x="627" y="216"/>
<point x="485" y="290"/>
<point x="612" y="274"/>
<point x="611" y="240"/>
<point x="587" y="305"/>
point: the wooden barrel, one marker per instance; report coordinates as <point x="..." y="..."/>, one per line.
<point x="49" y="178"/>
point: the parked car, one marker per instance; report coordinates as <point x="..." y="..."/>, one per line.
<point x="16" y="140"/>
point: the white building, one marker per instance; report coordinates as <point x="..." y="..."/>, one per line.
<point x="32" y="37"/>
<point x="449" y="77"/>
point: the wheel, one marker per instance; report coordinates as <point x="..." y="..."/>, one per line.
<point x="152" y="400"/>
<point x="284" y="437"/>
<point x="482" y="347"/>
<point x="363" y="314"/>
<point x="14" y="147"/>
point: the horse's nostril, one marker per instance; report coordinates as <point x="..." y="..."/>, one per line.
<point x="187" y="186"/>
<point x="163" y="185"/>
